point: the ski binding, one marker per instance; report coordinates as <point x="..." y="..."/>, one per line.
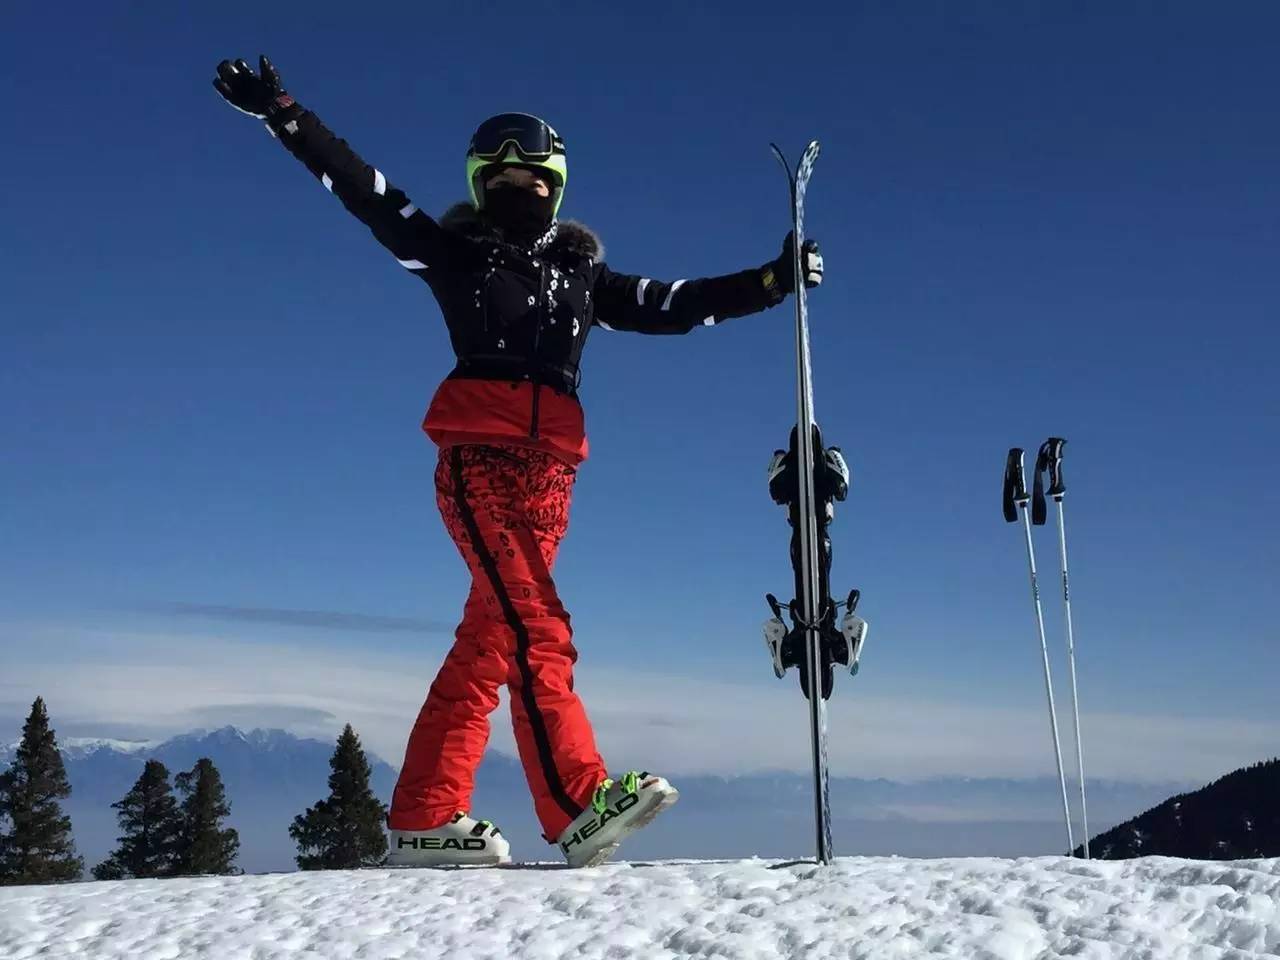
<point x="775" y="635"/>
<point x="854" y="630"/>
<point x="787" y="645"/>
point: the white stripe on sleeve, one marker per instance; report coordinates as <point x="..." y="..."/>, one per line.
<point x="327" y="181"/>
<point x="708" y="321"/>
<point x="411" y="264"/>
<point x="666" y="304"/>
<point x="640" y="289"/>
<point x="379" y="182"/>
<point x="601" y="323"/>
<point x="408" y="210"/>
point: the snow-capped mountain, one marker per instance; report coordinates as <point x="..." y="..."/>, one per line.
<point x="77" y="748"/>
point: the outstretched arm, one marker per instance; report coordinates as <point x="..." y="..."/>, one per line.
<point x="630" y="302"/>
<point x="413" y="238"/>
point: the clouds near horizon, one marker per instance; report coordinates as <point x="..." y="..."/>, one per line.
<point x="153" y="685"/>
<point x="324" y="619"/>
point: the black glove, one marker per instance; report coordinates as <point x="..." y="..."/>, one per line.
<point x="259" y="96"/>
<point x="779" y="276"/>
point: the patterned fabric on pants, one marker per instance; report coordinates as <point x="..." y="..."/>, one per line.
<point x="506" y="508"/>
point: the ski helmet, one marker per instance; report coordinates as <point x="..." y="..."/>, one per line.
<point x="518" y="139"/>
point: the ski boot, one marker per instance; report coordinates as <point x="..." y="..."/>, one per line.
<point x="462" y="842"/>
<point x="619" y="808"/>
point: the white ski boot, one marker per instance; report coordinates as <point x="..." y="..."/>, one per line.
<point x="462" y="842"/>
<point x="619" y="808"/>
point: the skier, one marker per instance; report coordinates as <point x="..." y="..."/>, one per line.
<point x="519" y="291"/>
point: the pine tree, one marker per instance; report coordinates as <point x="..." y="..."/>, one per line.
<point x="205" y="848"/>
<point x="38" y="847"/>
<point x="345" y="830"/>
<point x="148" y="815"/>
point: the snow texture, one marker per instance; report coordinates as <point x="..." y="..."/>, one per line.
<point x="978" y="909"/>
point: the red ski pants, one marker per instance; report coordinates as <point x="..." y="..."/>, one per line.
<point x="506" y="508"/>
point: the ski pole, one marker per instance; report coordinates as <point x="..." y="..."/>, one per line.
<point x="1050" y="459"/>
<point x="1015" y="501"/>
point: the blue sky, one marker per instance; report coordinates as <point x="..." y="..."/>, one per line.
<point x="1036" y="219"/>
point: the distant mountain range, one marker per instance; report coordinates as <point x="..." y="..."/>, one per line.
<point x="1236" y="817"/>
<point x="271" y="776"/>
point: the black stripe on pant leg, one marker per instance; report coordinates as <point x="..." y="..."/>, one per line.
<point x="536" y="722"/>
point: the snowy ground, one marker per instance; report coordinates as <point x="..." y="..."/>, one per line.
<point x="879" y="908"/>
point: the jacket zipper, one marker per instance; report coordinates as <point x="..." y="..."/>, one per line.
<point x="537" y="334"/>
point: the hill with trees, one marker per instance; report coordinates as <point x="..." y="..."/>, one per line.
<point x="1234" y="818"/>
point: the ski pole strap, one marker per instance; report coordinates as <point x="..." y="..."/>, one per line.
<point x="1015" y="487"/>
<point x="1049" y="458"/>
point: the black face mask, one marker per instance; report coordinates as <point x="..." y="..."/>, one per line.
<point x="518" y="212"/>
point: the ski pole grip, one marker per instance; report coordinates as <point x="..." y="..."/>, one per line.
<point x="1048" y="459"/>
<point x="1015" y="487"/>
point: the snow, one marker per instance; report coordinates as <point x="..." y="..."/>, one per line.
<point x="77" y="747"/>
<point x="882" y="908"/>
<point x="82" y="746"/>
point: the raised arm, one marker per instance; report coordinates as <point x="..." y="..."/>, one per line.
<point x="413" y="238"/>
<point x="630" y="302"/>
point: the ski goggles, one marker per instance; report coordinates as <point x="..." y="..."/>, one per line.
<point x="531" y="139"/>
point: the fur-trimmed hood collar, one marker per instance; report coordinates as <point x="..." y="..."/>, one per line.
<point x="570" y="237"/>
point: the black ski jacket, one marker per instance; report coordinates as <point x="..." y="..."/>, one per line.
<point x="515" y="314"/>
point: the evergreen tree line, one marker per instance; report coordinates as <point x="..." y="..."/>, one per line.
<point x="164" y="836"/>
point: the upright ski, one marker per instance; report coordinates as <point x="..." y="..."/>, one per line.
<point x="807" y="478"/>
